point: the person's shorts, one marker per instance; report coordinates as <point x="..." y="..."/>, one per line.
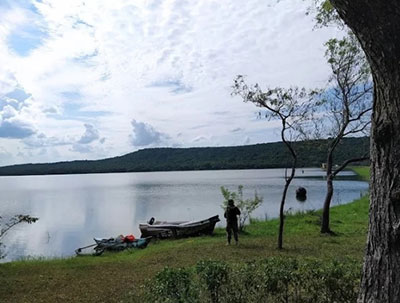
<point x="232" y="226"/>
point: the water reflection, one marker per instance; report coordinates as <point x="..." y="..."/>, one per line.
<point x="75" y="208"/>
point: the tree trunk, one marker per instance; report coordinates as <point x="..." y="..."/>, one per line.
<point x="325" y="229"/>
<point x="281" y="211"/>
<point x="377" y="26"/>
<point x="329" y="193"/>
<point x="288" y="181"/>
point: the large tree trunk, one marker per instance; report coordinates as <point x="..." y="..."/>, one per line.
<point x="376" y="23"/>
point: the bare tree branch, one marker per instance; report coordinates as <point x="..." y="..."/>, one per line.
<point x="347" y="162"/>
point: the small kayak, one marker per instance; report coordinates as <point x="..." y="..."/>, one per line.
<point x="113" y="244"/>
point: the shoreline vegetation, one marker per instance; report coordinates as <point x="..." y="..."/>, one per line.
<point x="119" y="277"/>
<point x="258" y="156"/>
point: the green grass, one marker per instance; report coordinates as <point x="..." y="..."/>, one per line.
<point x="117" y="277"/>
<point x="361" y="171"/>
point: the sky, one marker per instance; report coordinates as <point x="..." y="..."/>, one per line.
<point x="90" y="79"/>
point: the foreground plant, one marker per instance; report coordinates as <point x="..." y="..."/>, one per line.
<point x="270" y="280"/>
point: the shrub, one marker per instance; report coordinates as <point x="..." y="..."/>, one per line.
<point x="215" y="275"/>
<point x="328" y="281"/>
<point x="271" y="280"/>
<point x="171" y="285"/>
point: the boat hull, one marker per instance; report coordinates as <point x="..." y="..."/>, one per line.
<point x="111" y="244"/>
<point x="116" y="245"/>
<point x="179" y="229"/>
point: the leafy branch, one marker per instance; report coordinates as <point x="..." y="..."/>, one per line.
<point x="17" y="219"/>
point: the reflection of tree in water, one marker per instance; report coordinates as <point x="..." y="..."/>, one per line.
<point x="8" y="223"/>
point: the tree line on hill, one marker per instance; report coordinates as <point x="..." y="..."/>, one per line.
<point x="267" y="155"/>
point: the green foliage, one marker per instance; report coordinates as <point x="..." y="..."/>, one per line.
<point x="274" y="279"/>
<point x="214" y="274"/>
<point x="325" y="14"/>
<point x="246" y="207"/>
<point x="346" y="105"/>
<point x="347" y="58"/>
<point x="171" y="285"/>
<point x="330" y="281"/>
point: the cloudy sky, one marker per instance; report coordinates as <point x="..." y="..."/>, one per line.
<point x="88" y="79"/>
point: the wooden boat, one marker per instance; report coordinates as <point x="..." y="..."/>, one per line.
<point x="178" y="229"/>
<point x="112" y="244"/>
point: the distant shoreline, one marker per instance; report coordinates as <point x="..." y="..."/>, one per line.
<point x="258" y="156"/>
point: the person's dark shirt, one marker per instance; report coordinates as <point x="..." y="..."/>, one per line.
<point x="231" y="214"/>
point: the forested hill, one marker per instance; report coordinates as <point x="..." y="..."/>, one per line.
<point x="268" y="155"/>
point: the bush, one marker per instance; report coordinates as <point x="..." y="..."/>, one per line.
<point x="270" y="280"/>
<point x="214" y="274"/>
<point x="171" y="285"/>
<point x="328" y="281"/>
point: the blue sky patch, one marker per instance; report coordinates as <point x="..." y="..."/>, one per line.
<point x="27" y="4"/>
<point x="25" y="39"/>
<point x="176" y="86"/>
<point x="15" y="130"/>
<point x="73" y="111"/>
<point x="72" y="95"/>
<point x="86" y="59"/>
<point x="18" y="94"/>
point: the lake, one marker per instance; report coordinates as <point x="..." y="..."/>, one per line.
<point x="75" y="208"/>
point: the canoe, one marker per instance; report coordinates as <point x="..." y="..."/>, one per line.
<point x="178" y="229"/>
<point x="113" y="244"/>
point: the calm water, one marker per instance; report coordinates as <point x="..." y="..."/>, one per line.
<point x="75" y="208"/>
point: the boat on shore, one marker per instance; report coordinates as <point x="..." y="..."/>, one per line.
<point x="178" y="229"/>
<point x="112" y="244"/>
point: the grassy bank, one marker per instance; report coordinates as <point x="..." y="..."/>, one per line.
<point x="361" y="171"/>
<point x="118" y="277"/>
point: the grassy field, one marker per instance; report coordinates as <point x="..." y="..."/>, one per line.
<point x="118" y="277"/>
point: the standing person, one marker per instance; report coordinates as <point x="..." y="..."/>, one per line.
<point x="231" y="214"/>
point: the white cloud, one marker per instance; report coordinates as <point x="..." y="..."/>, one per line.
<point x="199" y="139"/>
<point x="15" y="128"/>
<point x="5" y="156"/>
<point x="82" y="148"/>
<point x="171" y="63"/>
<point x="14" y="124"/>
<point x="91" y="134"/>
<point x="87" y="141"/>
<point x="41" y="140"/>
<point x="145" y="135"/>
